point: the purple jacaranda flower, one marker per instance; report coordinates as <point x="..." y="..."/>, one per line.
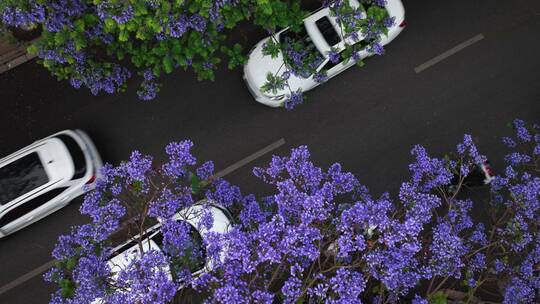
<point x="206" y="170"/>
<point x="125" y="15"/>
<point x="348" y="285"/>
<point x="419" y="300"/>
<point x="224" y="193"/>
<point x="207" y="65"/>
<point x="197" y="23"/>
<point x="509" y="142"/>
<point x="148" y="90"/>
<point x="389" y="21"/>
<point x="320" y="77"/>
<point x="334" y="56"/>
<point x="295" y="98"/>
<point x="179" y="158"/>
<point x="17" y="17"/>
<point x="178" y="26"/>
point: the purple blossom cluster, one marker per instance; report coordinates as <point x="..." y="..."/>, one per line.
<point x="319" y="237"/>
<point x="295" y="99"/>
<point x="18" y="17"/>
<point x="61" y="13"/>
<point x="102" y="32"/>
<point x="144" y="280"/>
<point x="98" y="79"/>
<point x="125" y="197"/>
<point x="149" y="88"/>
<point x="425" y="237"/>
<point x="518" y="191"/>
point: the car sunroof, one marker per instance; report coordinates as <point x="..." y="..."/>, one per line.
<point x="328" y="31"/>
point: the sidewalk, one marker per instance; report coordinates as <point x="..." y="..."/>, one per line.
<point x="12" y="54"/>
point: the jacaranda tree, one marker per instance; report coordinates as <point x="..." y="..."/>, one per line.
<point x="320" y="237"/>
<point x="129" y="200"/>
<point x="100" y="44"/>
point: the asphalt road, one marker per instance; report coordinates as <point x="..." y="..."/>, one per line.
<point x="367" y="118"/>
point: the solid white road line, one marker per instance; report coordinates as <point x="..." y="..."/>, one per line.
<point x="448" y="53"/>
<point x="41" y="269"/>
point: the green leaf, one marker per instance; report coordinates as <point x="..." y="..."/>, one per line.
<point x="32" y="49"/>
<point x="79" y="25"/>
<point x="140" y="35"/>
<point x="167" y="64"/>
<point x="80" y="43"/>
<point x="273" y="83"/>
<point x="267" y="9"/>
<point x="123" y="36"/>
<point x="67" y="288"/>
<point x="438" y="298"/>
<point x="110" y="25"/>
<point x="120" y="55"/>
<point x="195" y="183"/>
<point x="131" y="25"/>
<point x="156" y="70"/>
<point x="71" y="263"/>
<point x="59" y="38"/>
<point x="271" y="48"/>
<point x="136" y="187"/>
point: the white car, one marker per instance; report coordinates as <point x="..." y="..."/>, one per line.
<point x="320" y="33"/>
<point x="122" y="254"/>
<point x="222" y="221"/>
<point x="44" y="177"/>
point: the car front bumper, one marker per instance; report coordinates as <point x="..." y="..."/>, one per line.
<point x="259" y="97"/>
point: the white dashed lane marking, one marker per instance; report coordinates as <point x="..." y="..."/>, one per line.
<point x="448" y="53"/>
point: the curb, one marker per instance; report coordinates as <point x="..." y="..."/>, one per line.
<point x="16" y="62"/>
<point x="15" y="57"/>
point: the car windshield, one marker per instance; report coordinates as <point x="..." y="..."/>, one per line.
<point x="77" y="155"/>
<point x="193" y="256"/>
<point x="21" y="176"/>
<point x="301" y="43"/>
<point x="328" y="31"/>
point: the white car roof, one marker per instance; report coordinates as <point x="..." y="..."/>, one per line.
<point x="315" y="34"/>
<point x="313" y="31"/>
<point x="56" y="163"/>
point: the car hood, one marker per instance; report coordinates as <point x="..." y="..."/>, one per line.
<point x="259" y="65"/>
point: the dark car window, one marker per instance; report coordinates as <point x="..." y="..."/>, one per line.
<point x="79" y="161"/>
<point x="328" y="31"/>
<point x="330" y="65"/>
<point x="158" y="239"/>
<point x="30" y="205"/>
<point x="362" y="44"/>
<point x="21" y="176"/>
<point x="194" y="254"/>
